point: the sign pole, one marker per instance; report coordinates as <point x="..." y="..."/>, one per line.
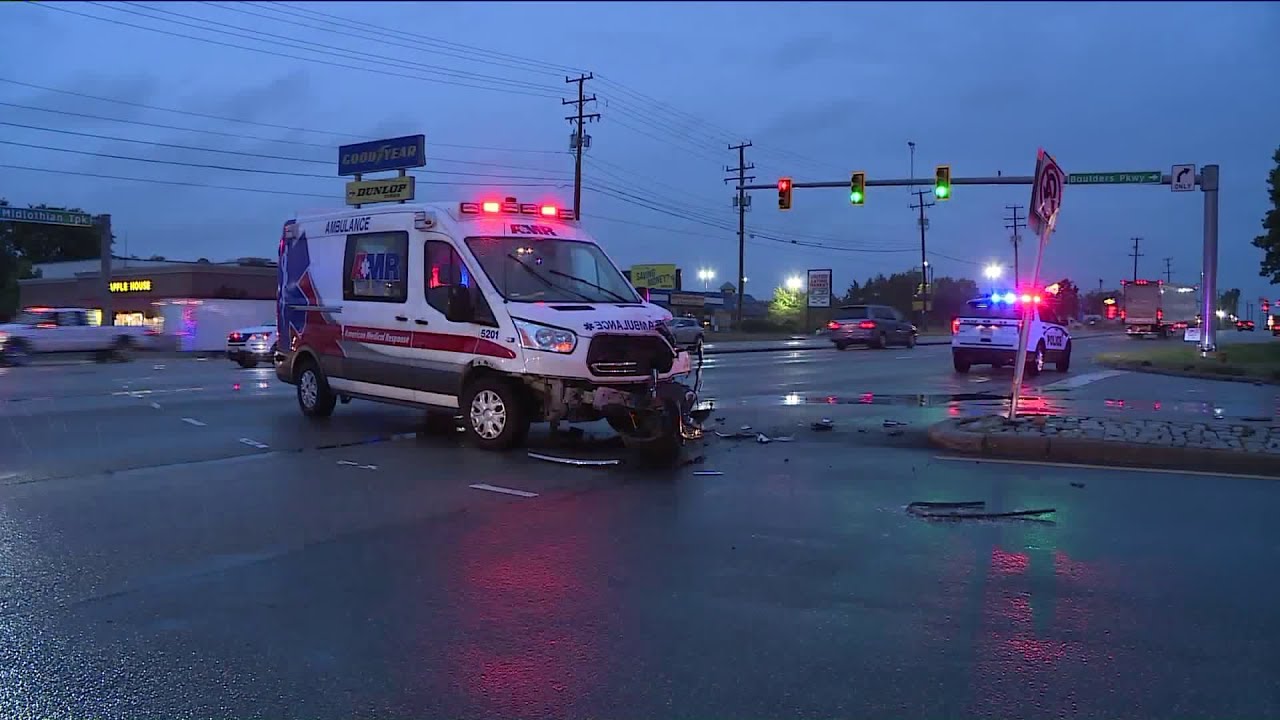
<point x="1046" y="201"/>
<point x="1209" y="285"/>
<point x="1024" y="329"/>
<point x="104" y="270"/>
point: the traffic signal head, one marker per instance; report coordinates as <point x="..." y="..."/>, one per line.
<point x="857" y="188"/>
<point x="942" y="182"/>
<point x="784" y="193"/>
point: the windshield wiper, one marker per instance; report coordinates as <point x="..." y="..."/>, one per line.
<point x="588" y="282"/>
<point x="544" y="280"/>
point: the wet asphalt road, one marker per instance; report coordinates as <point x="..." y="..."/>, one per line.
<point x="176" y="541"/>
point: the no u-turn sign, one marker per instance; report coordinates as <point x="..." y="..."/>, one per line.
<point x="1046" y="192"/>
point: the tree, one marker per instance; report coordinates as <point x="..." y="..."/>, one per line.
<point x="787" y="308"/>
<point x="950" y="295"/>
<point x="24" y="244"/>
<point x="1269" y="242"/>
<point x="1069" y="299"/>
<point x="1229" y="302"/>
<point x="1093" y="301"/>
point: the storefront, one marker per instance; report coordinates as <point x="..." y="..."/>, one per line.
<point x="140" y="289"/>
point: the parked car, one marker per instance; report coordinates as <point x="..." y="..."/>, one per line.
<point x="688" y="332"/>
<point x="40" y="331"/>
<point x="252" y="345"/>
<point x="876" y="326"/>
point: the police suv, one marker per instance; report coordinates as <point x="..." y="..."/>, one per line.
<point x="987" y="333"/>
<point x="508" y="312"/>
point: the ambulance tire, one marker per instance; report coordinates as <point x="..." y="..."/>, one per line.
<point x="315" y="398"/>
<point x="494" y="413"/>
<point x="1064" y="360"/>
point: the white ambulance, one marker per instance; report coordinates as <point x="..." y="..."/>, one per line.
<point x="987" y="333"/>
<point x="506" y="312"/>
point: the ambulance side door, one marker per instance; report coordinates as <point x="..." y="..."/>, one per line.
<point x="376" y="309"/>
<point x="461" y="343"/>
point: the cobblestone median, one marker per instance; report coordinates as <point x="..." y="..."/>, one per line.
<point x="1250" y="437"/>
<point x="1222" y="446"/>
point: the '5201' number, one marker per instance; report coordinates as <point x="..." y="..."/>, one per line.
<point x="488" y="334"/>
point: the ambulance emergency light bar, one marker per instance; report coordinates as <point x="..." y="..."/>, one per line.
<point x="511" y="207"/>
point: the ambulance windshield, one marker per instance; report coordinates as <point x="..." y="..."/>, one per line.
<point x="550" y="270"/>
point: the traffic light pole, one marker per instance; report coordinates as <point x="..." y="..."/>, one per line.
<point x="1207" y="180"/>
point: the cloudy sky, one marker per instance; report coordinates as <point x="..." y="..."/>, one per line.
<point x="262" y="93"/>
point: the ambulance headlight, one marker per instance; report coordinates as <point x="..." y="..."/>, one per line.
<point x="549" y="339"/>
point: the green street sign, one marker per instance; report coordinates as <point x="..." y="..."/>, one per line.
<point x="46" y="217"/>
<point x="1148" y="177"/>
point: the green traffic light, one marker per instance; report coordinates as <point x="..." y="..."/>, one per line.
<point x="942" y="191"/>
<point x="855" y="198"/>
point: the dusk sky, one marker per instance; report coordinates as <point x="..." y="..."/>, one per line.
<point x="820" y="89"/>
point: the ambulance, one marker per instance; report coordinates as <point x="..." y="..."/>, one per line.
<point x="503" y="312"/>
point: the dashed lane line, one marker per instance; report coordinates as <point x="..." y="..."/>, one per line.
<point x="503" y="490"/>
<point x="253" y="443"/>
<point x="193" y="421"/>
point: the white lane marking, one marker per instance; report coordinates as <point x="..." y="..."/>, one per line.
<point x="903" y="357"/>
<point x="193" y="421"/>
<point x="1109" y="468"/>
<point x="357" y="465"/>
<point x="8" y="476"/>
<point x="155" y="405"/>
<point x="253" y="443"/>
<point x="980" y="380"/>
<point x="505" y="491"/>
<point x="1080" y="381"/>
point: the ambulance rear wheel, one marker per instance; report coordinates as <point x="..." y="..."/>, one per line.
<point x="495" y="415"/>
<point x="314" y="396"/>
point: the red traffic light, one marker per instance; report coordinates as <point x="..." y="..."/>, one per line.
<point x="784" y="184"/>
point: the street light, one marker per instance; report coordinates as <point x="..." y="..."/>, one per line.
<point x="794" y="283"/>
<point x="706" y="275"/>
<point x="992" y="272"/>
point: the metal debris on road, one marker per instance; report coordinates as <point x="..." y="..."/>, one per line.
<point x="573" y="461"/>
<point x="711" y="473"/>
<point x="894" y="423"/>
<point x="823" y="425"/>
<point x="357" y="465"/>
<point x="740" y="435"/>
<point x="972" y="510"/>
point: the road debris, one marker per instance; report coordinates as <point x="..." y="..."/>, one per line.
<point x="823" y="425"/>
<point x="894" y="423"/>
<point x="708" y="473"/>
<point x="972" y="510"/>
<point x="357" y="465"/>
<point x="581" y="462"/>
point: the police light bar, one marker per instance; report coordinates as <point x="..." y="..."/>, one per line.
<point x="511" y="207"/>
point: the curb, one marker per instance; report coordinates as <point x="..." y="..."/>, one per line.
<point x="1133" y="366"/>
<point x="951" y="435"/>
<point x="924" y="343"/>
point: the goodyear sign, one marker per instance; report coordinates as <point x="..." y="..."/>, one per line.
<point x="654" y="277"/>
<point x="375" y="191"/>
<point x="394" y="154"/>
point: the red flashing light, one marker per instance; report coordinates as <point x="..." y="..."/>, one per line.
<point x="491" y="206"/>
<point x="548" y="211"/>
<point x="1159" y="315"/>
<point x="1036" y="299"/>
<point x="1025" y="298"/>
<point x="867" y="325"/>
<point x="955" y="325"/>
<point x="833" y="325"/>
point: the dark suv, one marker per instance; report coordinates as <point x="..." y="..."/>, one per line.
<point x="876" y="326"/>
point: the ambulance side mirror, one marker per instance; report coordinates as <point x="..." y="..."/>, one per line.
<point x="460" y="308"/>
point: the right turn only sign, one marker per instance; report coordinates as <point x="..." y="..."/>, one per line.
<point x="1183" y="178"/>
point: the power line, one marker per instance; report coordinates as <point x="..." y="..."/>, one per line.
<point x="289" y="158"/>
<point x="740" y="202"/>
<point x="380" y="70"/>
<point x="924" y="260"/>
<point x="1014" y="223"/>
<point x="260" y="171"/>
<point x="1135" y="255"/>
<point x="1168" y="270"/>
<point x="580" y="139"/>
<point x="223" y="118"/>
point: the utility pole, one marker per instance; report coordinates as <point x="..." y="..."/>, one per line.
<point x="740" y="201"/>
<point x="579" y="140"/>
<point x="1014" y="223"/>
<point x="1168" y="270"/>
<point x="1135" y="255"/>
<point x="103" y="223"/>
<point x="924" y="258"/>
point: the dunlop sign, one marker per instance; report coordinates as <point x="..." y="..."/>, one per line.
<point x="364" y="192"/>
<point x="394" y="154"/>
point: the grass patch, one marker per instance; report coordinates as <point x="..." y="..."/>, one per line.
<point x="1246" y="360"/>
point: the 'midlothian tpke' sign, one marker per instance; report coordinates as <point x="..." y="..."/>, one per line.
<point x="46" y="217"/>
<point x="394" y="154"/>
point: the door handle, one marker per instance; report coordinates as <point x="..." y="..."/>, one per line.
<point x="420" y="321"/>
<point x="402" y="318"/>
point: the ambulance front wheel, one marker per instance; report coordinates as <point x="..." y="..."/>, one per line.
<point x="314" y="396"/>
<point x="496" y="415"/>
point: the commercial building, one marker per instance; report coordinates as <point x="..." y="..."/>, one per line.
<point x="140" y="289"/>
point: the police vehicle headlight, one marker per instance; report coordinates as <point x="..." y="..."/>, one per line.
<point x="540" y="337"/>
